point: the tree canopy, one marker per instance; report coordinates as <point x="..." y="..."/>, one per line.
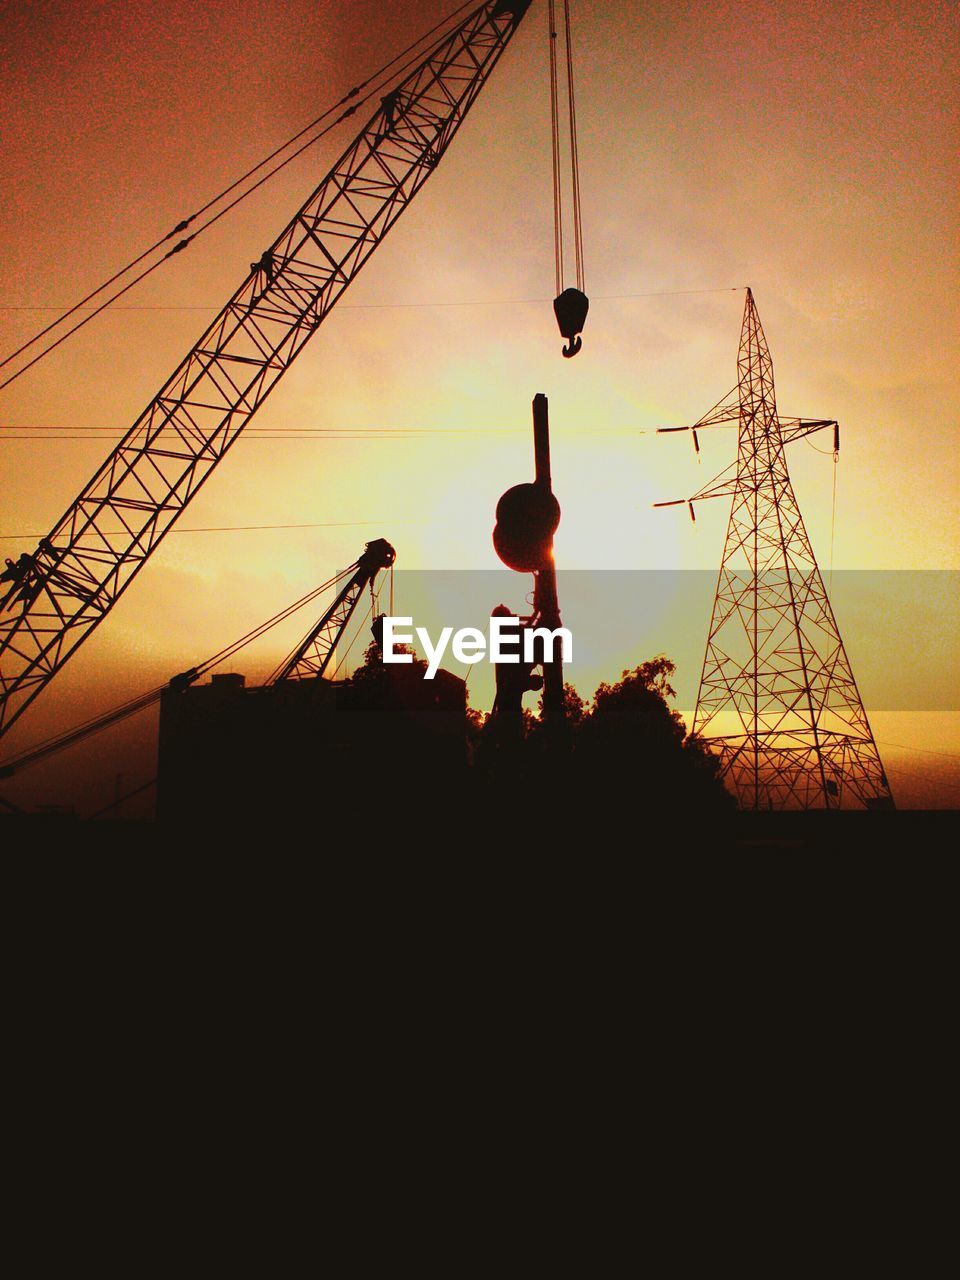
<point x="627" y="746"/>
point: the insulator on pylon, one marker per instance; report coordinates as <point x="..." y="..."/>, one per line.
<point x="693" y="516"/>
<point x="696" y="440"/>
<point x="836" y="437"/>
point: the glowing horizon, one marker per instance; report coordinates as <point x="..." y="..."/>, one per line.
<point x="843" y="221"/>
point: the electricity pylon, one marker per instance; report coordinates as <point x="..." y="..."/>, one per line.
<point x="777" y="697"/>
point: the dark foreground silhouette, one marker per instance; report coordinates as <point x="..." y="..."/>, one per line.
<point x="387" y="762"/>
<point x="626" y="753"/>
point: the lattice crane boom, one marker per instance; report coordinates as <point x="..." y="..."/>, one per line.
<point x="312" y="655"/>
<point x="61" y="593"/>
<point x="309" y="659"/>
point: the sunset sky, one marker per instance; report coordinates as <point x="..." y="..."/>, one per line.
<point x="809" y="151"/>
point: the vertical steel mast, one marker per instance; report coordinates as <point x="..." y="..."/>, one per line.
<point x="58" y="595"/>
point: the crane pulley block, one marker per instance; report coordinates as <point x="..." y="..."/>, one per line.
<point x="378" y="555"/>
<point x="571" y="309"/>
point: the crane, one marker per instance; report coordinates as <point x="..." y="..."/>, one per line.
<point x="61" y="592"/>
<point x="311" y="657"/>
<point x="309" y="660"/>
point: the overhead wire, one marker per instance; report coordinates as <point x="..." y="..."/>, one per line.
<point x="403" y="306"/>
<point x="60" y="741"/>
<point x="95" y="724"/>
<point x="926" y="777"/>
<point x="92" y="315"/>
<point x="833" y="514"/>
<point x="363" y="622"/>
<point x="375" y="593"/>
<point x="287" y="659"/>
<point x="355" y="93"/>
<point x="835" y="454"/>
<point x="221" y="195"/>
<point x="929" y="751"/>
<point x="331" y="435"/>
<point x="277" y="618"/>
<point x="121" y="800"/>
<point x="244" y="528"/>
<point x="825" y="452"/>
<point x="141" y="703"/>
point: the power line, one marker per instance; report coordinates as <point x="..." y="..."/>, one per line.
<point x="357" y="633"/>
<point x="245" y="528"/>
<point x="182" y="226"/>
<point x="70" y="433"/>
<point x="927" y="777"/>
<point x="275" y="435"/>
<point x="333" y="434"/>
<point x="336" y="432"/>
<point x="404" y="306"/>
<point x="115" y="804"/>
<point x="96" y="724"/>
<point x="902" y="746"/>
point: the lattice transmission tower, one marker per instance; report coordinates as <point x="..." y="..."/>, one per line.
<point x="777" y="697"/>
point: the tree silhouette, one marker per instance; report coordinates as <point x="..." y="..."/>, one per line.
<point x="372" y="678"/>
<point x="631" y="738"/>
<point x="574" y="707"/>
<point x="627" y="748"/>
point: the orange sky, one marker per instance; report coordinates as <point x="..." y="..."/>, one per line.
<point x="809" y="151"/>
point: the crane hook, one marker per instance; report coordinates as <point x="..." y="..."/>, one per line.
<point x="571" y="308"/>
